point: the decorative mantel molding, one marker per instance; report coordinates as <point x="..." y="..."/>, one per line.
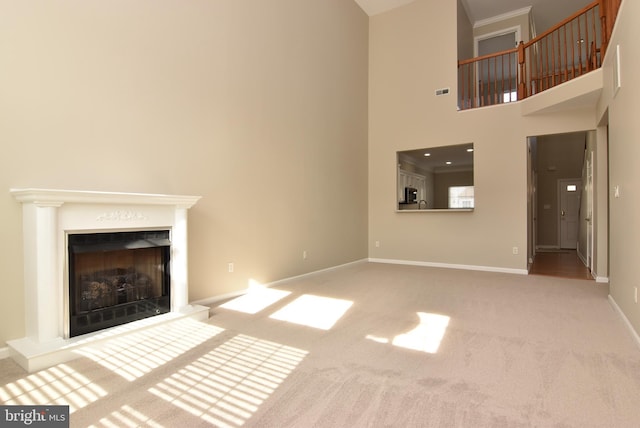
<point x="58" y="197"/>
<point x="49" y="215"/>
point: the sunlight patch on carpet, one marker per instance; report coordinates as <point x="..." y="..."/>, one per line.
<point x="226" y="386"/>
<point x="58" y="385"/>
<point x="127" y="416"/>
<point x="314" y="311"/>
<point x="425" y="337"/>
<point x="258" y="297"/>
<point x="134" y="355"/>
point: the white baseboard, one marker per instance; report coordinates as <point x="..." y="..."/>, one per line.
<point x="547" y="247"/>
<point x="452" y="266"/>
<point x="582" y="258"/>
<point x="215" y="299"/>
<point x="602" y="279"/>
<point x="633" y="332"/>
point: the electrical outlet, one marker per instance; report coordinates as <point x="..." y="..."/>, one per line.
<point x="514" y="250"/>
<point x="304" y="255"/>
<point x="230" y="267"/>
<point x="377" y="244"/>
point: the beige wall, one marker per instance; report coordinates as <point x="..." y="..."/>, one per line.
<point x="260" y="107"/>
<point x="405" y="114"/>
<point x="465" y="33"/>
<point x="620" y="111"/>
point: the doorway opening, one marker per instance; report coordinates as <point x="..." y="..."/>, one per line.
<point x="560" y="204"/>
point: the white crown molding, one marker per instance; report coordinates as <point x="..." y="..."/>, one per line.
<point x="502" y="17"/>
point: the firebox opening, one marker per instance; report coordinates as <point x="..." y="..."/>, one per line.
<point x="116" y="278"/>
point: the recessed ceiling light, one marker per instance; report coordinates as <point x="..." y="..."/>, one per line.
<point x="427" y="154"/>
<point x="448" y="162"/>
<point x="470" y="150"/>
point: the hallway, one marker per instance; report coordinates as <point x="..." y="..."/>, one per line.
<point x="560" y="263"/>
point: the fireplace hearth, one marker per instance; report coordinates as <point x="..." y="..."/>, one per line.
<point x="116" y="278"/>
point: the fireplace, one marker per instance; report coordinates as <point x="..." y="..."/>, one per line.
<point x="99" y="265"/>
<point x="116" y="278"/>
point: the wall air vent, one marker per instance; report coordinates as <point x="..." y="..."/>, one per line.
<point x="443" y="91"/>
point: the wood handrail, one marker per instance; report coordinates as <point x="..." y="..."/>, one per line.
<point x="545" y="61"/>
<point x="487" y="56"/>
<point x="562" y="23"/>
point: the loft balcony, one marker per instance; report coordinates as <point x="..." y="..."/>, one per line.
<point x="557" y="70"/>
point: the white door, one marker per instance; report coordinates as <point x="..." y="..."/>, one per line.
<point x="569" y="195"/>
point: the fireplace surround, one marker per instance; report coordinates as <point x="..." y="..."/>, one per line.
<point x="51" y="221"/>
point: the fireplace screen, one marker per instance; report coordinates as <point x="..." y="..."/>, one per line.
<point x="115" y="278"/>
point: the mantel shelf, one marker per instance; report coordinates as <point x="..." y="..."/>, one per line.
<point x="55" y="196"/>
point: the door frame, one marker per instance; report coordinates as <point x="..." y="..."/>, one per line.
<point x="588" y="186"/>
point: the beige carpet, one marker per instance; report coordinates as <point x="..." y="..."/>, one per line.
<point x="368" y="345"/>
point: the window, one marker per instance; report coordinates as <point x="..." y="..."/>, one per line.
<point x="461" y="197"/>
<point x="508" y="97"/>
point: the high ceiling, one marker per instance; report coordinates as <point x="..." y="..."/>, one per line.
<point x="545" y="12"/>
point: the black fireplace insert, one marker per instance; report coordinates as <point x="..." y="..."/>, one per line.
<point x="117" y="277"/>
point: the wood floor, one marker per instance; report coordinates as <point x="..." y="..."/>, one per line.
<point x="561" y="263"/>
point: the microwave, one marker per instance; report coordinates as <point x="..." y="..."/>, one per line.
<point x="410" y="195"/>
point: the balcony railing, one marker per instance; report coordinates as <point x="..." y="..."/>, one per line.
<point x="568" y="50"/>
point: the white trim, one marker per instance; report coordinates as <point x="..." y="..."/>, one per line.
<point x="502" y="17"/>
<point x="581" y="257"/>
<point x="617" y="82"/>
<point x="547" y="247"/>
<point x="451" y="266"/>
<point x="55" y="196"/>
<point x="219" y="298"/>
<point x="633" y="332"/>
<point x="215" y="299"/>
<point x="5" y="353"/>
<point x="602" y="279"/>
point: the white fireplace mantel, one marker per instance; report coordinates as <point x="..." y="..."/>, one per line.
<point x="49" y="215"/>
